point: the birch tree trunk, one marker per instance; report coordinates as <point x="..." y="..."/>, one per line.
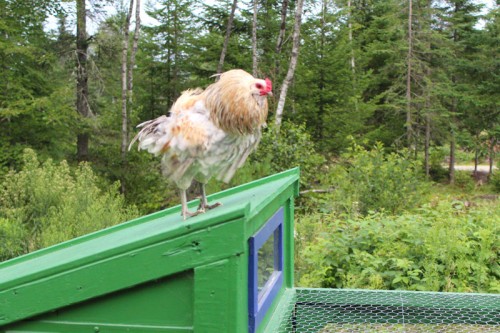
<point x="254" y="40"/>
<point x="293" y="63"/>
<point x="349" y="26"/>
<point x="175" y="51"/>
<point x="321" y="77"/>
<point x="281" y="36"/>
<point x="134" y="50"/>
<point x="226" y="38"/>
<point x="125" y="46"/>
<point x="353" y="58"/>
<point x="82" y="89"/>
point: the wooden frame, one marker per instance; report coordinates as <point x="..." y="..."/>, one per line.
<point x="260" y="301"/>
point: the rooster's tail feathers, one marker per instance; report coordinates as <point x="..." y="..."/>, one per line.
<point x="151" y="134"/>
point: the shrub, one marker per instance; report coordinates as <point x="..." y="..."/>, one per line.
<point x="445" y="248"/>
<point x="436" y="170"/>
<point x="44" y="204"/>
<point x="12" y="239"/>
<point x="376" y="181"/>
<point x="291" y="148"/>
<point x="495" y="181"/>
<point x="464" y="180"/>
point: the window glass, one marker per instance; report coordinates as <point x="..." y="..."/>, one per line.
<point x="265" y="262"/>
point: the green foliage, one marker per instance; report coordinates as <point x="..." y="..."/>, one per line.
<point x="44" y="204"/>
<point x="441" y="247"/>
<point x="12" y="238"/>
<point x="290" y="148"/>
<point x="146" y="188"/>
<point x="464" y="180"/>
<point x="436" y="170"/>
<point x="495" y="181"/>
<point x="36" y="104"/>
<point x="328" y="102"/>
<point x="373" y="180"/>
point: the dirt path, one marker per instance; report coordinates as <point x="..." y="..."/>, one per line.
<point x="481" y="168"/>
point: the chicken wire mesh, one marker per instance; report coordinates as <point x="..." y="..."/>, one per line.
<point x="342" y="311"/>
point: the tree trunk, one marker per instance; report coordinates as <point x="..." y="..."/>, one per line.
<point x="409" y="125"/>
<point x="281" y="36"/>
<point x="82" y="89"/>
<point x="293" y="63"/>
<point x="493" y="142"/>
<point x="349" y="25"/>
<point x="452" y="158"/>
<point x="427" y="143"/>
<point x="125" y="46"/>
<point x="428" y="96"/>
<point x="353" y="58"/>
<point x="226" y="38"/>
<point x="254" y="39"/>
<point x="175" y="52"/>
<point x="321" y="79"/>
<point x="476" y="153"/>
<point x="134" y="49"/>
<point x="454" y="107"/>
<point x="170" y="95"/>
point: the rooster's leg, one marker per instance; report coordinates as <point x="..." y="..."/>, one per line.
<point x="204" y="202"/>
<point x="185" y="212"/>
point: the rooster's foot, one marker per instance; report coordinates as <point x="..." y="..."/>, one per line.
<point x="205" y="206"/>
<point x="186" y="214"/>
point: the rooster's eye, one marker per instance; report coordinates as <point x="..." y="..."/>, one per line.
<point x="258" y="86"/>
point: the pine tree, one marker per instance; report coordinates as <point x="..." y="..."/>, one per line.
<point x="36" y="108"/>
<point x="458" y="18"/>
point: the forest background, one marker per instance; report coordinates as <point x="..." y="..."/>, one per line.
<point x="377" y="101"/>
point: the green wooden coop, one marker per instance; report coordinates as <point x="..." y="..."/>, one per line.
<point x="227" y="271"/>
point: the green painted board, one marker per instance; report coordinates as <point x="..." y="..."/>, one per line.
<point x="152" y="274"/>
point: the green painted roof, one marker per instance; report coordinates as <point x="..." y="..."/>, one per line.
<point x="244" y="202"/>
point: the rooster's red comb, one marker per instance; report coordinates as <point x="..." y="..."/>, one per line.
<point x="269" y="85"/>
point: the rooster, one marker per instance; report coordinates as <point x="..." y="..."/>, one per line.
<point x="208" y="133"/>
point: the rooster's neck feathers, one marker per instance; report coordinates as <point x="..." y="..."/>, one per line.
<point x="233" y="107"/>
